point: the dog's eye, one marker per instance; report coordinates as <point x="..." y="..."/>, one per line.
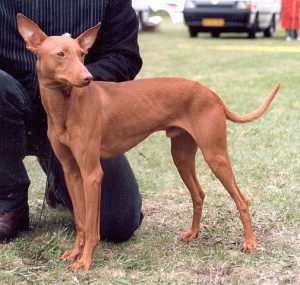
<point x="61" y="54"/>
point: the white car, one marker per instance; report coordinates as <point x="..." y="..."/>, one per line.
<point x="218" y="16"/>
<point x="173" y="7"/>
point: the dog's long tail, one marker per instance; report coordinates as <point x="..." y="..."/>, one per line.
<point x="256" y="114"/>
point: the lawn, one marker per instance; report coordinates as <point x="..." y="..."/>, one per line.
<point x="265" y="157"/>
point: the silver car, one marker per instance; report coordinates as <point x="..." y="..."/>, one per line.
<point x="218" y="16"/>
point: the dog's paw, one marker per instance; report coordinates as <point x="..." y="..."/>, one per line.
<point x="82" y="265"/>
<point x="70" y="255"/>
<point x="249" y="245"/>
<point x="189" y="235"/>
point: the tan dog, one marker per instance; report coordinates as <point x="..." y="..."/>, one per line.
<point x="88" y="120"/>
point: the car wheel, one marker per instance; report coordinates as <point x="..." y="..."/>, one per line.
<point x="215" y="34"/>
<point x="268" y="33"/>
<point x="193" y="32"/>
<point x="252" y="34"/>
<point x="253" y="30"/>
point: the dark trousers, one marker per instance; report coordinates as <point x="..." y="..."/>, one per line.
<point x="23" y="130"/>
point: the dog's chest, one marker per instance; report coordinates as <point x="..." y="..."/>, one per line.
<point x="58" y="122"/>
<point x="58" y="131"/>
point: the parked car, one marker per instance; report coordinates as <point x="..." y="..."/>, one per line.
<point x="174" y="9"/>
<point x="218" y="16"/>
<point x="146" y="23"/>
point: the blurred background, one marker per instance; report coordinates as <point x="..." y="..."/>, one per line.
<point x="217" y="17"/>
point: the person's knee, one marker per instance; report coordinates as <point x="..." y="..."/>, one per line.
<point x="121" y="201"/>
<point x="12" y="95"/>
<point x="15" y="109"/>
<point x="120" y="229"/>
<point x="3" y="76"/>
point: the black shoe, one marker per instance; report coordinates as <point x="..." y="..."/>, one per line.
<point x="12" y="223"/>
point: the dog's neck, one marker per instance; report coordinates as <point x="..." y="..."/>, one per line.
<point x="56" y="101"/>
<point x="59" y="89"/>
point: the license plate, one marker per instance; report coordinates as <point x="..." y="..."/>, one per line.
<point x="211" y="22"/>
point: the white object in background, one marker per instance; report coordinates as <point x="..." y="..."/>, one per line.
<point x="140" y="5"/>
<point x="173" y="7"/>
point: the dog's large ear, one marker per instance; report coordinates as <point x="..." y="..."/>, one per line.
<point x="87" y="38"/>
<point x="30" y="32"/>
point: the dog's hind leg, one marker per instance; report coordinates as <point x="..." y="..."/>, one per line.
<point x="213" y="144"/>
<point x="220" y="165"/>
<point x="183" y="149"/>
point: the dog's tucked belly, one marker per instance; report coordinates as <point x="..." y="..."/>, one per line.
<point x="173" y="132"/>
<point x="112" y="147"/>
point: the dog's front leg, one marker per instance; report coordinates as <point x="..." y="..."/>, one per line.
<point x="92" y="191"/>
<point x="92" y="174"/>
<point x="75" y="189"/>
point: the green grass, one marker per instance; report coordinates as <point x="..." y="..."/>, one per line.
<point x="265" y="157"/>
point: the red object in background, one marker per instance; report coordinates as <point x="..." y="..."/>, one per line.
<point x="172" y="4"/>
<point x="290" y="14"/>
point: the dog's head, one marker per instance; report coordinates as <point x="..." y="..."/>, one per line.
<point x="60" y="59"/>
